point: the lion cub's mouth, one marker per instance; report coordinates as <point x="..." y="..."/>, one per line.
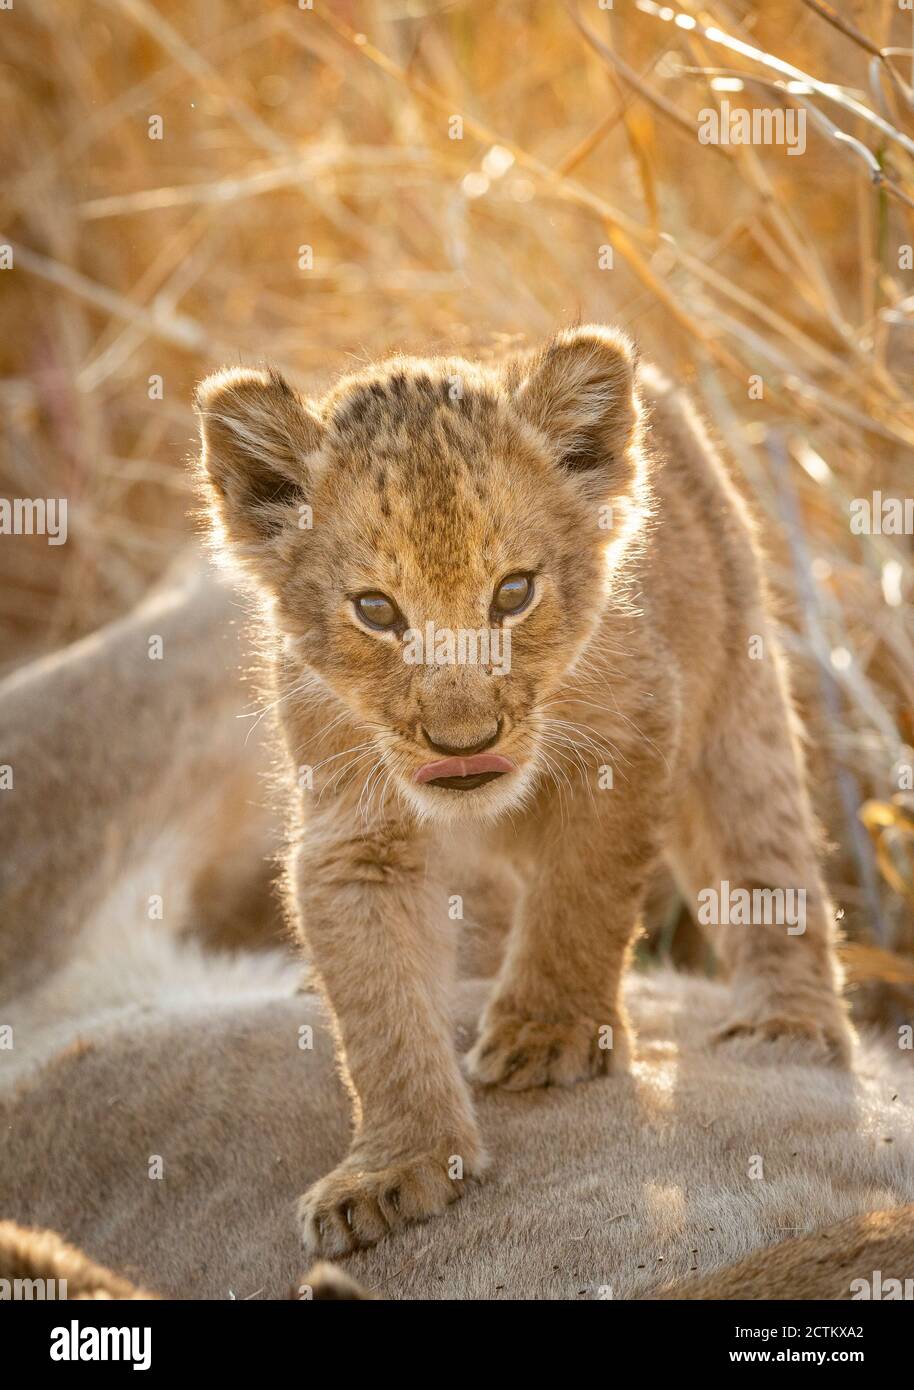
<point x="463" y="774"/>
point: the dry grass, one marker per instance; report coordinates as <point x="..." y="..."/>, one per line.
<point x="330" y="128"/>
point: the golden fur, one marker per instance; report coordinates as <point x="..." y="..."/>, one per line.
<point x="429" y="481"/>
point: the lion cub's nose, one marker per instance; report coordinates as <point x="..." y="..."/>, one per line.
<point x="451" y="751"/>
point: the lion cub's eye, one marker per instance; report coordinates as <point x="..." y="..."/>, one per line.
<point x="377" y="611"/>
<point x="513" y="594"/>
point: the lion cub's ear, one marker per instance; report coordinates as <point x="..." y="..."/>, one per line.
<point x="257" y="436"/>
<point x="579" y="391"/>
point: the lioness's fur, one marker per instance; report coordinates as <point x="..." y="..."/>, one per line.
<point x="839" y="1262"/>
<point x="646" y="650"/>
<point x="694" y="1161"/>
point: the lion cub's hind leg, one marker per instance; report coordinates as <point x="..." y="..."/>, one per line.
<point x="744" y="852"/>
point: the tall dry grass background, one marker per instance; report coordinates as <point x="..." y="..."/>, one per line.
<point x="286" y="127"/>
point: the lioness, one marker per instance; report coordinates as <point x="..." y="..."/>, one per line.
<point x="519" y="610"/>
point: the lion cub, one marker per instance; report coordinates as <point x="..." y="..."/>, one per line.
<point x="519" y="610"/>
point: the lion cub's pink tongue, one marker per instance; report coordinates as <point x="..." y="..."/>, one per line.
<point x="464" y="767"/>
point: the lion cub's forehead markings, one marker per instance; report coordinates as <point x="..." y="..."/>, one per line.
<point x="399" y="412"/>
<point x="420" y="444"/>
<point x="419" y="453"/>
<point x="369" y="407"/>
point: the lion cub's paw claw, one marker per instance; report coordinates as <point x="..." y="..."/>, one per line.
<point x="829" y="1035"/>
<point x="519" y="1053"/>
<point x="355" y="1206"/>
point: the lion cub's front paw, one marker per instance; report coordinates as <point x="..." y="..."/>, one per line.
<point x="356" y="1205"/>
<point x="519" y="1053"/>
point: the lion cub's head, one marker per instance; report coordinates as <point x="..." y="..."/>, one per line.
<point x="439" y="540"/>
